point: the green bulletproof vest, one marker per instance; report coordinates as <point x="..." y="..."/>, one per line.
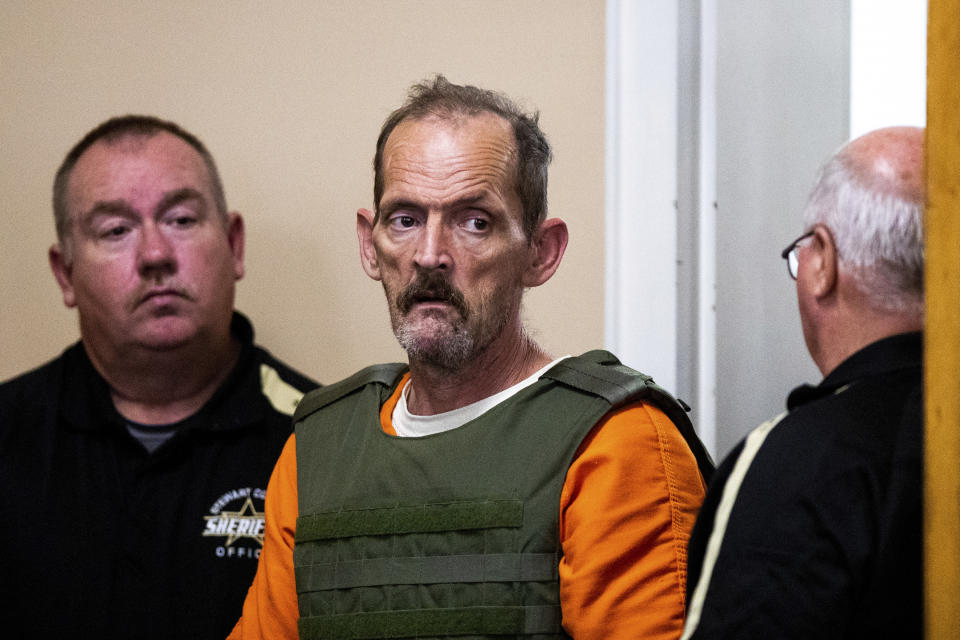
<point x="453" y="534"/>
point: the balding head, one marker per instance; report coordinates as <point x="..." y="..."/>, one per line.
<point x="889" y="161"/>
<point x="870" y="195"/>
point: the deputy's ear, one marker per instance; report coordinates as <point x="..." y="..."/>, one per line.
<point x="368" y="253"/>
<point x="63" y="272"/>
<point x="549" y="243"/>
<point x="236" y="236"/>
<point x="821" y="263"/>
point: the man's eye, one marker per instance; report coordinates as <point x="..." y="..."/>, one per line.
<point x="402" y="221"/>
<point x="184" y="221"/>
<point x="116" y="231"/>
<point x="478" y="224"/>
<point x="180" y="218"/>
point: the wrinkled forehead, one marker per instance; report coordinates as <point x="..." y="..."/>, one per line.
<point x="136" y="165"/>
<point x="438" y="148"/>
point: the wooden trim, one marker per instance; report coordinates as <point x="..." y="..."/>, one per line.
<point x="942" y="347"/>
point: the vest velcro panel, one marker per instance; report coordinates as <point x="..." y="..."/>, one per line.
<point x="427" y="623"/>
<point x="465" y="568"/>
<point x="481" y="514"/>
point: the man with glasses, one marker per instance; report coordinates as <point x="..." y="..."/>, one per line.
<point x="812" y="526"/>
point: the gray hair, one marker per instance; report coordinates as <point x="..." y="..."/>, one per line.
<point x="878" y="232"/>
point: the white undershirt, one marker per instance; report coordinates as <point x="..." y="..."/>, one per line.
<point x="409" y="425"/>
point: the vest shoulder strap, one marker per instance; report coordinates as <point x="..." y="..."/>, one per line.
<point x="382" y="374"/>
<point x="600" y="373"/>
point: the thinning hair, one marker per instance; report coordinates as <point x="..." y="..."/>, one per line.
<point x="878" y="231"/>
<point x="442" y="99"/>
<point x="112" y="131"/>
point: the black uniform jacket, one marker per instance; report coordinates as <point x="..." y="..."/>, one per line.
<point x="100" y="539"/>
<point x="824" y="537"/>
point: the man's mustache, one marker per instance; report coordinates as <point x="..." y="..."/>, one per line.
<point x="150" y="290"/>
<point x="431" y="285"/>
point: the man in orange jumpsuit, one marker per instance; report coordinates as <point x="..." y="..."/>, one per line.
<point x="486" y="488"/>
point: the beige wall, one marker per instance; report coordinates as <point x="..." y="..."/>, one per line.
<point x="289" y="99"/>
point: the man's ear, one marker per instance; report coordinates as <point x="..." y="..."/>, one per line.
<point x="821" y="263"/>
<point x="236" y="236"/>
<point x="548" y="244"/>
<point x="368" y="253"/>
<point x="63" y="273"/>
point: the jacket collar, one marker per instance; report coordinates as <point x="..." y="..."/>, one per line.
<point x="902" y="351"/>
<point x="86" y="404"/>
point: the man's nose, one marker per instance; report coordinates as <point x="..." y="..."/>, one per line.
<point x="155" y="251"/>
<point x="433" y="250"/>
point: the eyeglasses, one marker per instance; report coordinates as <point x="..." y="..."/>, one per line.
<point x="790" y="254"/>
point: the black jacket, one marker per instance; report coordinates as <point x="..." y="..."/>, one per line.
<point x="100" y="539"/>
<point x="824" y="537"/>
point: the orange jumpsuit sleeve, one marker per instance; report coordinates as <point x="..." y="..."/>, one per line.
<point x="626" y="510"/>
<point x="270" y="608"/>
